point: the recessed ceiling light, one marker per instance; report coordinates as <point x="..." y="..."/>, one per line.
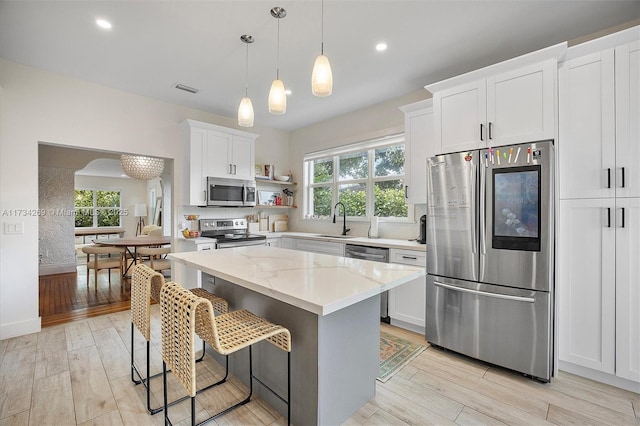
<point x="381" y="47"/>
<point x="103" y="23"/>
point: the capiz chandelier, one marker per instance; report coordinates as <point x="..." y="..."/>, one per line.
<point x="141" y="167"/>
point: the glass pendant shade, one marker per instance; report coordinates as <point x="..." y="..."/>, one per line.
<point x="140" y="167"/>
<point x="277" y="98"/>
<point x="321" y="77"/>
<point x="245" y="113"/>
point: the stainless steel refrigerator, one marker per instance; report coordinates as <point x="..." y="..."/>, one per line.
<point x="490" y="262"/>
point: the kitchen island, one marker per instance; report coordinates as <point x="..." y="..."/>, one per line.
<point x="330" y="304"/>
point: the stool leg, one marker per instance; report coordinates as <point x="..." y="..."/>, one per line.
<point x="164" y="392"/>
<point x="193" y="411"/>
<point x="289" y="388"/>
<point x="137" y="382"/>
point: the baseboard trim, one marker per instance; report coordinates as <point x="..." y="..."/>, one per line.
<point x="407" y="326"/>
<point x="599" y="376"/>
<point x="57" y="269"/>
<point x="20" y="328"/>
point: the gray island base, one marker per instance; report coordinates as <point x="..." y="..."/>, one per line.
<point x="331" y="306"/>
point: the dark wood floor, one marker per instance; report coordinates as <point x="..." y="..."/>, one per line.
<point x="67" y="297"/>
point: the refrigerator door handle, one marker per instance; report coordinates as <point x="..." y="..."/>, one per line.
<point x="472" y="187"/>
<point x="483" y="293"/>
<point x="483" y="213"/>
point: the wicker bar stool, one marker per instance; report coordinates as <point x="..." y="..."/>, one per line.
<point x="184" y="315"/>
<point x="146" y="285"/>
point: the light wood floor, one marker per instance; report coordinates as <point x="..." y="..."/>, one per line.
<point x="78" y="373"/>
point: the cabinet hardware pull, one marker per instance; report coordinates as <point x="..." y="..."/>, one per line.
<point x="205" y="196"/>
<point x="410" y="257"/>
<point x="623" y="180"/>
<point x="230" y="172"/>
<point x="406" y="191"/>
<point x="609" y="178"/>
<point x="608" y="217"/>
<point x="234" y="169"/>
<point x="623" y="217"/>
<point x="481" y="131"/>
<point x="490" y="127"/>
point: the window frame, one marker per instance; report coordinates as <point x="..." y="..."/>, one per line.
<point x="334" y="154"/>
<point x="94" y="208"/>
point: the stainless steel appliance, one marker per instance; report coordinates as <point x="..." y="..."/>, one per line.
<point x="490" y="241"/>
<point x="230" y="233"/>
<point x="376" y="254"/>
<point x="230" y="192"/>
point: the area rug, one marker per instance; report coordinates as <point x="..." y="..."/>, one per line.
<point x="395" y="353"/>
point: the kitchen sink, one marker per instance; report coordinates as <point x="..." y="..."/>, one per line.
<point x="336" y="236"/>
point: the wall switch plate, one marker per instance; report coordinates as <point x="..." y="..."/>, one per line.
<point x="14" y="228"/>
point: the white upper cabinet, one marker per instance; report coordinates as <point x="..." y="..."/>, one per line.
<point x="600" y="124"/>
<point x="418" y="132"/>
<point x="507" y="103"/>
<point x="586" y="154"/>
<point x="521" y="105"/>
<point x="628" y="120"/>
<point x="214" y="151"/>
<point x="459" y="117"/>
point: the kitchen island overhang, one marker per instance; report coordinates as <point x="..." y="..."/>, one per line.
<point x="330" y="304"/>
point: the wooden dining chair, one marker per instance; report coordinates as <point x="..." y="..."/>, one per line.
<point x="97" y="263"/>
<point x="156" y="257"/>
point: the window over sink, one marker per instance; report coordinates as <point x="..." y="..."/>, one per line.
<point x="368" y="177"/>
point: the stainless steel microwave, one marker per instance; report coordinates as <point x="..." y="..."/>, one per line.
<point x="230" y="192"/>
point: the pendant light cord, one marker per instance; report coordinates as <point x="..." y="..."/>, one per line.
<point x="278" y="53"/>
<point x="246" y="73"/>
<point x="322" y="29"/>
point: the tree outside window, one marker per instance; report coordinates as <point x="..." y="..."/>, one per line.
<point x="369" y="180"/>
<point x="97" y="208"/>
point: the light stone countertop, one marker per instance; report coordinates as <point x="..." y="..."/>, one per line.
<point x="317" y="283"/>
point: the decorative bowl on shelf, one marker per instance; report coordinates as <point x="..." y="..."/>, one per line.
<point x="282" y="178"/>
<point x="191" y="216"/>
<point x="190" y="234"/>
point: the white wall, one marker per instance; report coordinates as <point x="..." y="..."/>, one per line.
<point x="38" y="106"/>
<point x="373" y="122"/>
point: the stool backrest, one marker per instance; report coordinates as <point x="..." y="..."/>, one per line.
<point x="145" y="284"/>
<point x="178" y="308"/>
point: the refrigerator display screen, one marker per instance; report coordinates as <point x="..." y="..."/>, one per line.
<point x="516" y="208"/>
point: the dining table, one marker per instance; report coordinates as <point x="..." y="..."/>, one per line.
<point x="130" y="243"/>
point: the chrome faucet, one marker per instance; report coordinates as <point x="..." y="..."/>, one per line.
<point x="344" y="217"/>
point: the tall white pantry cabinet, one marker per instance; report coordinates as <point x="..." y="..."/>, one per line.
<point x="599" y="213"/>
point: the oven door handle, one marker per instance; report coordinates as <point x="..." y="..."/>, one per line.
<point x="484" y="293"/>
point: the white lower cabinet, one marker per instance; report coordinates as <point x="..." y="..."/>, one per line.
<point x="599" y="285"/>
<point x="274" y="241"/>
<point x="407" y="303"/>
<point x="187" y="276"/>
<point x="315" y="246"/>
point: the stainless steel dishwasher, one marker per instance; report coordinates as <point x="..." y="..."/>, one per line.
<point x="376" y="254"/>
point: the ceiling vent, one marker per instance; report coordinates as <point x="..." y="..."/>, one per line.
<point x="186" y="88"/>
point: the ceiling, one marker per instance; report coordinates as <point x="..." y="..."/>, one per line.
<point x="154" y="45"/>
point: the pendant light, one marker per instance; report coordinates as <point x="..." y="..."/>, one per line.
<point x="245" y="110"/>
<point x="141" y="167"/>
<point x="321" y="76"/>
<point x="277" y="97"/>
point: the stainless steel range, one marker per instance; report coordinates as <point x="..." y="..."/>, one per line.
<point x="230" y="233"/>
